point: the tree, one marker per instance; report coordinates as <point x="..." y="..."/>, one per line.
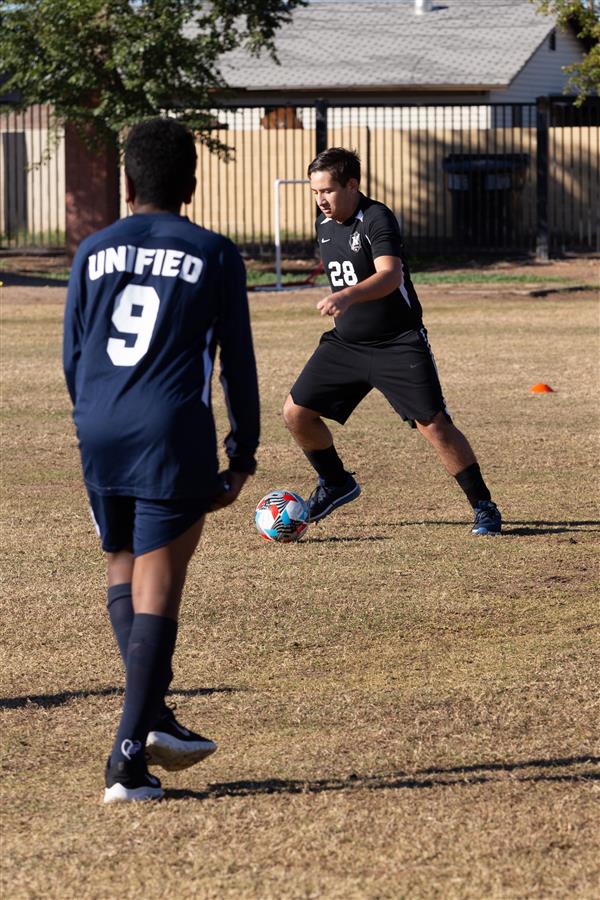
<point x="105" y="64"/>
<point x="585" y="17"/>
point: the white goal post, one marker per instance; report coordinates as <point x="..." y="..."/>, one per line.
<point x="277" y="221"/>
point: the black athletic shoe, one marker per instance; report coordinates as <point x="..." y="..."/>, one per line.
<point x="127" y="781"/>
<point x="174" y="747"/>
<point x="487" y="518"/>
<point x="327" y="497"/>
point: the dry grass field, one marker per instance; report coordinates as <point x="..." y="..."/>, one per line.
<point x="402" y="710"/>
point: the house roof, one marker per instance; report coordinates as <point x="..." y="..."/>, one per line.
<point x="383" y="44"/>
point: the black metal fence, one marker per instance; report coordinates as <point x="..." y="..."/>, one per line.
<point x="32" y="180"/>
<point x="462" y="179"/>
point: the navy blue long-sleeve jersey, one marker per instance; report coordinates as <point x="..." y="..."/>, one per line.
<point x="149" y="300"/>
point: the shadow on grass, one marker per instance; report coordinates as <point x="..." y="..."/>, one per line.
<point x="478" y="773"/>
<point x="16" y="279"/>
<point x="533" y="528"/>
<point x="334" y="539"/>
<point x="47" y="701"/>
<point x="513" y="527"/>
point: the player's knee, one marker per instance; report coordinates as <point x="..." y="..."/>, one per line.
<point x="437" y="430"/>
<point x="440" y="422"/>
<point x="441" y="433"/>
<point x="291" y="414"/>
<point x="294" y="416"/>
<point x="427" y="427"/>
<point x="119" y="567"/>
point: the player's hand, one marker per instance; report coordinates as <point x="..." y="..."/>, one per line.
<point x="233" y="482"/>
<point x="334" y="305"/>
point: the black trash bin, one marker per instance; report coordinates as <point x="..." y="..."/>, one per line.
<point x="487" y="198"/>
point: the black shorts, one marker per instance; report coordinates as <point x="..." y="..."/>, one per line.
<point x="340" y="374"/>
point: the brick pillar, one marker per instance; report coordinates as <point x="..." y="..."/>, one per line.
<point x="92" y="187"/>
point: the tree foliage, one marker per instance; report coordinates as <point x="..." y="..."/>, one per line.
<point x="109" y="63"/>
<point x="584" y="77"/>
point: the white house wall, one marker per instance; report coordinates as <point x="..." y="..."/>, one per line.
<point x="421" y="117"/>
<point x="543" y="74"/>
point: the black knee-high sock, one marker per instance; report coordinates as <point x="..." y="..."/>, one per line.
<point x="151" y="645"/>
<point x="120" y="611"/>
<point x="327" y="464"/>
<point x="472" y="483"/>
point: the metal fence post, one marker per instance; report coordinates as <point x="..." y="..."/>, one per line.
<point x="321" y="142"/>
<point x="542" y="128"/>
<point x="321" y="125"/>
<point x="277" y="225"/>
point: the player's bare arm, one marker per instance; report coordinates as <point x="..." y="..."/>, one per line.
<point x="233" y="484"/>
<point x="386" y="278"/>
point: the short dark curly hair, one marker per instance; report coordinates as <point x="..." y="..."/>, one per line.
<point x="341" y="163"/>
<point x="160" y="159"/>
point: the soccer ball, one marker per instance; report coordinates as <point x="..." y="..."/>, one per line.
<point x="281" y="516"/>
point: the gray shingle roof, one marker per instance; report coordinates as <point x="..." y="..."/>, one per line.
<point x="333" y="44"/>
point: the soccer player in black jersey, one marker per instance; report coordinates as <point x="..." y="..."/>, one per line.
<point x="378" y="341"/>
<point x="149" y="300"/>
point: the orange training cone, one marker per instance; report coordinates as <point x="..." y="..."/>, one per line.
<point x="541" y="389"/>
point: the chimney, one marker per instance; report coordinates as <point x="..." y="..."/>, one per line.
<point x="423" y="6"/>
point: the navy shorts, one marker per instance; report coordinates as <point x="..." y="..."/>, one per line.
<point x="340" y="374"/>
<point x="130" y="523"/>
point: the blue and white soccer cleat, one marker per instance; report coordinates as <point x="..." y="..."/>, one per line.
<point x="174" y="747"/>
<point x="327" y="497"/>
<point x="487" y="518"/>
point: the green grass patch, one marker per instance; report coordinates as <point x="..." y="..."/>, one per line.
<point x="485" y="278"/>
<point x="433" y="278"/>
<point x="257" y="278"/>
<point x="260" y="277"/>
<point x="24" y="239"/>
<point x="54" y="275"/>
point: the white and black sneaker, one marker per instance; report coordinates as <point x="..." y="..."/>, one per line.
<point x="174" y="747"/>
<point x="128" y="781"/>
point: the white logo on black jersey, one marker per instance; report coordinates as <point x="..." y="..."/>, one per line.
<point x="355" y="241"/>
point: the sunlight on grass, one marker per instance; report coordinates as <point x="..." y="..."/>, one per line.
<point x="402" y="710"/>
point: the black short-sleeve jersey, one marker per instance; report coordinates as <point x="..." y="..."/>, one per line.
<point x="348" y="250"/>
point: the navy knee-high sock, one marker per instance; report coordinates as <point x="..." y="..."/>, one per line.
<point x="151" y="645"/>
<point x="120" y="611"/>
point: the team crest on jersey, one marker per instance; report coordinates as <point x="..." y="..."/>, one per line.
<point x="355" y="241"/>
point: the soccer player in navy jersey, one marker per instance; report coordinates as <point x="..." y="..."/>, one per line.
<point x="378" y="341"/>
<point x="150" y="299"/>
